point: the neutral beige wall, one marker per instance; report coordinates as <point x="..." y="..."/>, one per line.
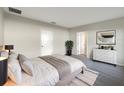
<point x="91" y="29"/>
<point x="1" y="26"/>
<point x="25" y="35"/>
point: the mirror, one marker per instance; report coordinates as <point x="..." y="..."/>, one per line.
<point x="106" y="37"/>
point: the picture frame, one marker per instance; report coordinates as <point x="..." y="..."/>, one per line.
<point x="107" y="37"/>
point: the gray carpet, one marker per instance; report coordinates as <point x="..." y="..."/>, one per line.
<point x="109" y="75"/>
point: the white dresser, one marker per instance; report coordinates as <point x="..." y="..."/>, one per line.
<point x="108" y="56"/>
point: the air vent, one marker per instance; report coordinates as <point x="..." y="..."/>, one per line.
<point x="15" y="10"/>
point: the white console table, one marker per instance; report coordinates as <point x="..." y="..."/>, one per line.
<point x="108" y="56"/>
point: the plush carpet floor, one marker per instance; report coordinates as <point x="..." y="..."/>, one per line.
<point x="109" y="75"/>
<point x="86" y="79"/>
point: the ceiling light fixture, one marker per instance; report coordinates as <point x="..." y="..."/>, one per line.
<point x="53" y="22"/>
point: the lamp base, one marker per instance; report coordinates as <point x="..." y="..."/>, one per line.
<point x="9" y="52"/>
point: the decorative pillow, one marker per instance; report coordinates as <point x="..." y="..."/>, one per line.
<point x="14" y="70"/>
<point x="26" y="64"/>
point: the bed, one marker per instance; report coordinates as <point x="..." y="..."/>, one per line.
<point x="52" y="70"/>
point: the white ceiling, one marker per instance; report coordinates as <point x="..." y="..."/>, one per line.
<point x="71" y="16"/>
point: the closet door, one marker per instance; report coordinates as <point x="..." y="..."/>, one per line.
<point x="46" y="42"/>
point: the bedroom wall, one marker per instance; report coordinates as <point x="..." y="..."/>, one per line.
<point x="1" y="26"/>
<point x="25" y="35"/>
<point x="91" y="29"/>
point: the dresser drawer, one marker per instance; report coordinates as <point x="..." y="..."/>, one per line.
<point x="108" y="56"/>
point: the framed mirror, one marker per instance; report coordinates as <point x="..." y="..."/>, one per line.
<point x="106" y="37"/>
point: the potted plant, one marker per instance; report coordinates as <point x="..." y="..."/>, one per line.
<point x="69" y="45"/>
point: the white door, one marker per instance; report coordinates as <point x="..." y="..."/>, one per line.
<point x="46" y="42"/>
<point x="81" y="43"/>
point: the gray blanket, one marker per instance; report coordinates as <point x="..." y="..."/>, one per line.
<point x="62" y="67"/>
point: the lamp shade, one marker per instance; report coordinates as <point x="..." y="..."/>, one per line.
<point x="9" y="47"/>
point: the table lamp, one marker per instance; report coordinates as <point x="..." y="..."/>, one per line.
<point x="9" y="47"/>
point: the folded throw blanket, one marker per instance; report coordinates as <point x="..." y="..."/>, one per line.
<point x="62" y="67"/>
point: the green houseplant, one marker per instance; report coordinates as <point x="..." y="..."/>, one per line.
<point x="69" y="45"/>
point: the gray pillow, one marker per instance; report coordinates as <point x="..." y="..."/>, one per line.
<point x="26" y="64"/>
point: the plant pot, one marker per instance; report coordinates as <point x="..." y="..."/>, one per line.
<point x="68" y="52"/>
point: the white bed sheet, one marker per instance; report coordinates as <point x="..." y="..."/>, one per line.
<point x="74" y="63"/>
<point x="44" y="74"/>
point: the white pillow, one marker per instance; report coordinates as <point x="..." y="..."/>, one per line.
<point x="13" y="55"/>
<point x="26" y="64"/>
<point x="14" y="70"/>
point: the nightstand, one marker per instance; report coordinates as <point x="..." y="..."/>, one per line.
<point x="3" y="70"/>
